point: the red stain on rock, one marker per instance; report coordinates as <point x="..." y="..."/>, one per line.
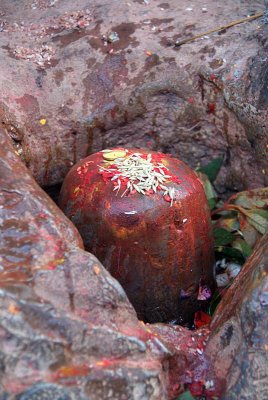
<point x="212" y="77"/>
<point x="211" y="108"/>
<point x="99" y="85"/>
<point x="29" y="104"/>
<point x="201" y="319"/>
<point x="154" y="246"/>
<point x="188" y="367"/>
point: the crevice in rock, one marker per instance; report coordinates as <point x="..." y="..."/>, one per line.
<point x="53" y="191"/>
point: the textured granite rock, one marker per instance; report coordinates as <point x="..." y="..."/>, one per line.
<point x="64" y="320"/>
<point x="238" y="345"/>
<point x="201" y="100"/>
<point x="64" y="95"/>
<point x="67" y="328"/>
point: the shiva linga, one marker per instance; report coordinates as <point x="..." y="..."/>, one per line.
<point x="145" y="216"/>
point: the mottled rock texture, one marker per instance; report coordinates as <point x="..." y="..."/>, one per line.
<point x="68" y="330"/>
<point x="204" y="99"/>
<point x="63" y="319"/>
<point x="64" y="95"/>
<point x="238" y="345"/>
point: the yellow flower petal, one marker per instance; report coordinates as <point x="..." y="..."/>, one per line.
<point x="114" y="154"/>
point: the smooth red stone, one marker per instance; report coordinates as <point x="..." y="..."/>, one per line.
<point x="160" y="254"/>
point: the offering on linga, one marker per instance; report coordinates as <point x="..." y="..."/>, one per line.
<point x="145" y="216"/>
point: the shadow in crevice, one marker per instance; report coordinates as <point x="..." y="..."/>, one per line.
<point x="53" y="191"/>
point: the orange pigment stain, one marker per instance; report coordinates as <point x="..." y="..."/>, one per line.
<point x="13" y="309"/>
<point x="70" y="371"/>
<point x="96" y="270"/>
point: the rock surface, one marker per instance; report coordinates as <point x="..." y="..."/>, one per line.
<point x="238" y="345"/>
<point x="161" y="252"/>
<point x="63" y="319"/>
<point x="64" y="94"/>
<point x="68" y="330"/>
<point x="67" y="92"/>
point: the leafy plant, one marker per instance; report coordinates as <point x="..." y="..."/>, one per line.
<point x="245" y="217"/>
<point x="186" y="396"/>
<point x="214" y="302"/>
<point x="209" y="189"/>
<point x="222" y="236"/>
<point x="238" y="222"/>
<point x="212" y="169"/>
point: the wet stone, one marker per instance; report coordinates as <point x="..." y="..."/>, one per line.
<point x="237" y="347"/>
<point x="199" y="101"/>
<point x="46" y="391"/>
<point x="64" y="320"/>
<point x="57" y="300"/>
<point x="145" y="217"/>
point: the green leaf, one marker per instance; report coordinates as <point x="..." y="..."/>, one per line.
<point x="260" y="223"/>
<point x="229" y="223"/>
<point x="222" y="237"/>
<point x="209" y="190"/>
<point x="241" y="244"/>
<point x="211" y="203"/>
<point x="212" y="169"/>
<point x="250" y="234"/>
<point x="262" y="212"/>
<point x="231" y="254"/>
<point x="186" y="396"/>
<point x="216" y="298"/>
<point x="257" y="198"/>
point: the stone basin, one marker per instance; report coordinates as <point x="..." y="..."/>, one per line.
<point x="67" y="328"/>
